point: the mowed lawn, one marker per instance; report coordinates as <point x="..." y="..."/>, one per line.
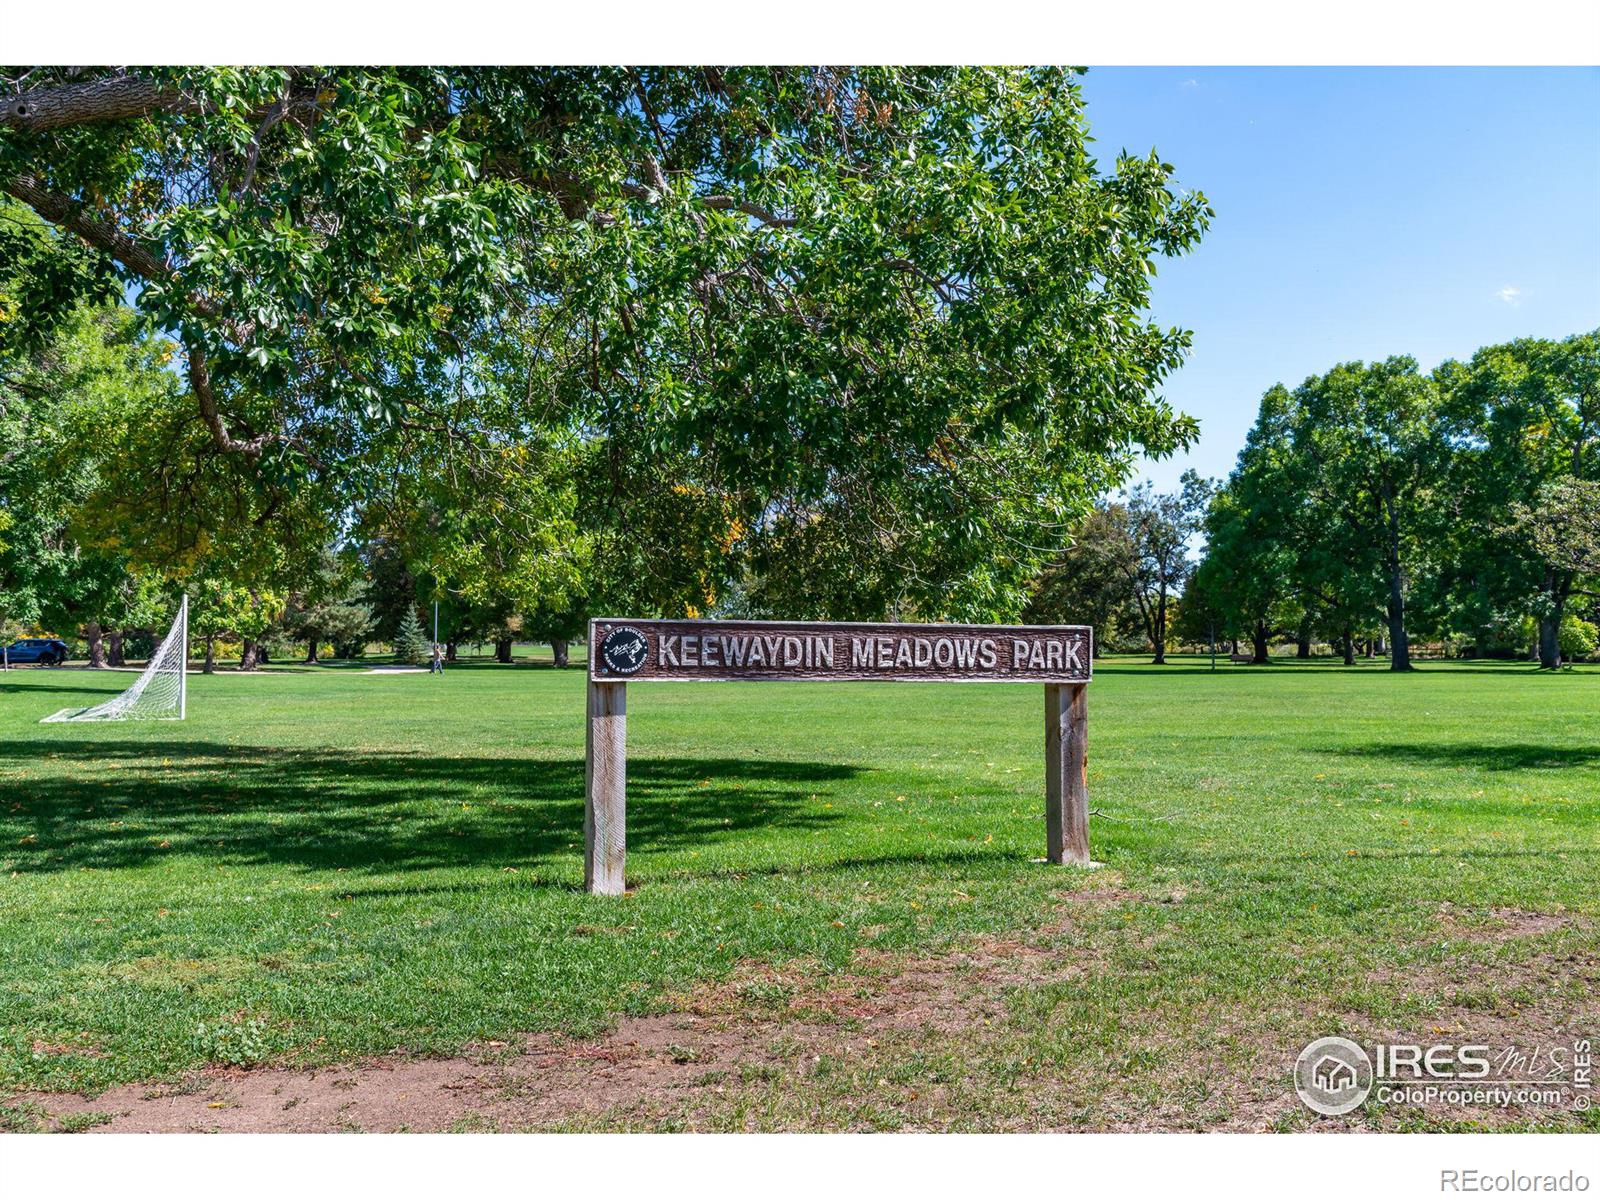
<point x="323" y="864"/>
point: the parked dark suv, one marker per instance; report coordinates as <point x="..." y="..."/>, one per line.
<point x="49" y="652"/>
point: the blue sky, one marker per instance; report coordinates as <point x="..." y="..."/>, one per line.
<point x="1360" y="213"/>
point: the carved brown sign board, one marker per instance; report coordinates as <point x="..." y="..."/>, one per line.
<point x="626" y="650"/>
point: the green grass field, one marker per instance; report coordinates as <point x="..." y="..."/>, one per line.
<point x="324" y="863"/>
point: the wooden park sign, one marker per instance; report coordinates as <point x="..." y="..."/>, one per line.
<point x="627" y="651"/>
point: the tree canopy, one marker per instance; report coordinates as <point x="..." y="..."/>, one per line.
<point x="860" y="340"/>
<point x="1459" y="503"/>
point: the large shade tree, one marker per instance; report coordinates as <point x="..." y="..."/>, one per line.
<point x="870" y="329"/>
<point x="1322" y="523"/>
<point x="1525" y="417"/>
<point x="1247" y="573"/>
<point x="47" y="282"/>
<point x="1372" y="444"/>
<point x="1462" y="503"/>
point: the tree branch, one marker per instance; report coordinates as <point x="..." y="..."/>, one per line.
<point x="118" y="98"/>
<point x="130" y="252"/>
<point x="274" y="114"/>
<point x="70" y="214"/>
<point x="200" y="383"/>
<point x="749" y="209"/>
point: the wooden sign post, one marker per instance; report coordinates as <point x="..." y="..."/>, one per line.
<point x="623" y="651"/>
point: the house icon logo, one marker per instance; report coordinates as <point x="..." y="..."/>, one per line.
<point x="1333" y="1076"/>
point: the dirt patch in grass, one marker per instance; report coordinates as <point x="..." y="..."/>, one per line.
<point x="1502" y="924"/>
<point x="1049" y="1030"/>
<point x="668" y="1061"/>
<point x="29" y="1117"/>
<point x="893" y="1040"/>
<point x="1529" y="1011"/>
<point x="686" y="1067"/>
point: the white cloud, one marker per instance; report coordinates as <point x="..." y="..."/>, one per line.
<point x="1510" y="294"/>
<point x="1190" y="83"/>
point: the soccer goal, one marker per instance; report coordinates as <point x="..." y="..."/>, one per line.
<point x="160" y="693"/>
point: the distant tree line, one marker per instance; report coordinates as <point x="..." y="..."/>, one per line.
<point x="1372" y="507"/>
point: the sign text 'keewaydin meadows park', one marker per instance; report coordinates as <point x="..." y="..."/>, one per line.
<point x="622" y="651"/>
<point x="711" y="650"/>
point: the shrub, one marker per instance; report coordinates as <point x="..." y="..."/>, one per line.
<point x="1578" y="638"/>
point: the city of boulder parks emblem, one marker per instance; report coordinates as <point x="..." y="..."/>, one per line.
<point x="623" y="650"/>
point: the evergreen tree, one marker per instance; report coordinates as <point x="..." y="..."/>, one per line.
<point x="410" y="644"/>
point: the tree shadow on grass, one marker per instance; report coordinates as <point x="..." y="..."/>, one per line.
<point x="136" y="802"/>
<point x="362" y="666"/>
<point x="1145" y="669"/>
<point x="1241" y="671"/>
<point x="1289" y="667"/>
<point x="1522" y="756"/>
<point x="92" y="695"/>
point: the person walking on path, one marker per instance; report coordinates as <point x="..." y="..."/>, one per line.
<point x="436" y="667"/>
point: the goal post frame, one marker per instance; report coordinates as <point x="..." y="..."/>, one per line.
<point x="183" y="659"/>
<point x="169" y="699"/>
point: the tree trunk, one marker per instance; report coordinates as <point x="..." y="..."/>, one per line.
<point x="558" y="652"/>
<point x="210" y="667"/>
<point x="1233" y="645"/>
<point x="1261" y="642"/>
<point x="1557" y="588"/>
<point x="247" y="656"/>
<point x="262" y="654"/>
<point x="1158" y="634"/>
<point x="502" y="650"/>
<point x="114" y="655"/>
<point x="1399" y="645"/>
<point x="311" y="650"/>
<point x="450" y="651"/>
<point x="1550" y="642"/>
<point x="1349" y="647"/>
<point x="97" y="645"/>
<point x="1302" y="641"/>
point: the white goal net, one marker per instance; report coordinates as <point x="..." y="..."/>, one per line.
<point x="161" y="691"/>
